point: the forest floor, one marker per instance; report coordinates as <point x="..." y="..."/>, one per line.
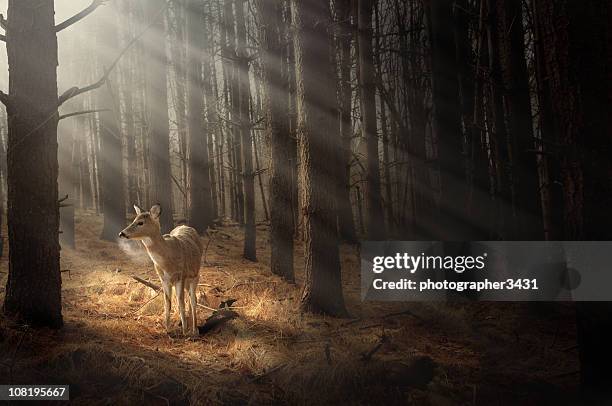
<point x="115" y="350"/>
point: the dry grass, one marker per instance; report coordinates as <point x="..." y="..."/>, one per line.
<point x="114" y="347"/>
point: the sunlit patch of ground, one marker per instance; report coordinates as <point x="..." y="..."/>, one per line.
<point x="115" y="350"/>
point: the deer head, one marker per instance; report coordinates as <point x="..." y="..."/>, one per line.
<point x="145" y="225"/>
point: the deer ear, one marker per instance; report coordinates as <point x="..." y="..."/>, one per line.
<point x="137" y="209"/>
<point x="156" y="211"/>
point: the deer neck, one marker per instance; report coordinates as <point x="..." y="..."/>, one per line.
<point x="156" y="248"/>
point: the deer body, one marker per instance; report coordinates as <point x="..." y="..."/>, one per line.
<point x="176" y="257"/>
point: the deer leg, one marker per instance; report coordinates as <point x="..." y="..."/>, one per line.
<point x="192" y="296"/>
<point x="167" y="302"/>
<point x="180" y="298"/>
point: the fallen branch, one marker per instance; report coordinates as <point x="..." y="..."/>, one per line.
<point x="80" y="113"/>
<point x="147" y="283"/>
<point x="79" y="16"/>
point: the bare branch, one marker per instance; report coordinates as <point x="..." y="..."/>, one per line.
<point x="80" y="113"/>
<point x="2" y="22"/>
<point x="75" y="91"/>
<point x="79" y="16"/>
<point x="2" y="38"/>
<point x="178" y="185"/>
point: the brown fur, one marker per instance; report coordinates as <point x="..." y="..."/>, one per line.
<point x="176" y="257"/>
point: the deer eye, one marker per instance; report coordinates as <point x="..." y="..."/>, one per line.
<point x="140" y="223"/>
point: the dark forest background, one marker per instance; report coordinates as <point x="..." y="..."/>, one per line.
<point x="331" y="121"/>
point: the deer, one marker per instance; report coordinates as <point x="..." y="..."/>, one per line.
<point x="176" y="258"/>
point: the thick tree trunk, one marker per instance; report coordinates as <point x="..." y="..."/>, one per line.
<point x="315" y="105"/>
<point x="157" y="111"/>
<point x="33" y="290"/>
<point x="375" y="219"/>
<point x="248" y="175"/>
<point x="277" y="105"/>
<point x="200" y="216"/>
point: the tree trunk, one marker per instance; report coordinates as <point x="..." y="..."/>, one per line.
<point x="228" y="32"/>
<point x="129" y="86"/>
<point x="157" y="112"/>
<point x="66" y="182"/>
<point x="111" y="154"/>
<point x="367" y="82"/>
<point x="343" y="199"/>
<point x="178" y="55"/>
<point x="277" y="105"/>
<point x="389" y="212"/>
<point x="200" y="216"/>
<point x="507" y="225"/>
<point x="447" y="121"/>
<point x="315" y="105"/>
<point x="517" y="103"/>
<point x="550" y="176"/>
<point x="244" y="122"/>
<point x="33" y="290"/>
<point x="477" y="206"/>
<point x="576" y="38"/>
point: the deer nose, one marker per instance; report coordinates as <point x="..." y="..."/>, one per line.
<point x="123" y="235"/>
